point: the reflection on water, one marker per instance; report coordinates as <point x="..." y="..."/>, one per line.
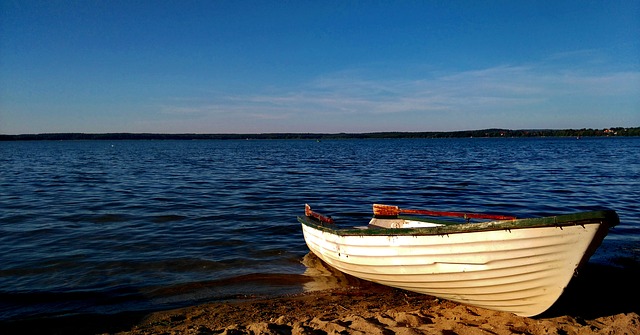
<point x="324" y="277"/>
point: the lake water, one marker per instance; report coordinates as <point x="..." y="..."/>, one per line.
<point x="112" y="226"/>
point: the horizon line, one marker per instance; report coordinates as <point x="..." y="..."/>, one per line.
<point x="322" y="133"/>
<point x="490" y="132"/>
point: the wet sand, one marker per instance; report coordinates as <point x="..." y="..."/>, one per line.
<point x="601" y="300"/>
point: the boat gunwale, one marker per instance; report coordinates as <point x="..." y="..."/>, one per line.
<point x="608" y="217"/>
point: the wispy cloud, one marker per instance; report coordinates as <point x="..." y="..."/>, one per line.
<point x="512" y="92"/>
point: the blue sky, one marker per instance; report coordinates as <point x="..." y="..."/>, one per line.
<point x="317" y="66"/>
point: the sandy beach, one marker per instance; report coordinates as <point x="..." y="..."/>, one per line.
<point x="370" y="310"/>
<point x="601" y="300"/>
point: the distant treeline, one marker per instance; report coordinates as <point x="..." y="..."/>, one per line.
<point x="618" y="131"/>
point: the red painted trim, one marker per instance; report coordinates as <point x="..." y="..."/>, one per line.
<point x="311" y="213"/>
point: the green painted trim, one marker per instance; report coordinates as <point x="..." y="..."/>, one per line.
<point x="607" y="217"/>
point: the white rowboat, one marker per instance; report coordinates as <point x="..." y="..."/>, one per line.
<point x="514" y="265"/>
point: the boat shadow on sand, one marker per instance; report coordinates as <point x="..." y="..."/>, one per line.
<point x="599" y="290"/>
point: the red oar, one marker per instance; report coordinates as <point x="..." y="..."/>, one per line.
<point x="322" y="218"/>
<point x="386" y="210"/>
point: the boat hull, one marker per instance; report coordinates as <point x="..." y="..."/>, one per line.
<point x="523" y="271"/>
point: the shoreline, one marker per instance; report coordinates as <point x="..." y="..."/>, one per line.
<point x="476" y="133"/>
<point x="590" y="305"/>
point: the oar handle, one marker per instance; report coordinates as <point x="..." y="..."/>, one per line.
<point x="386" y="210"/>
<point x="311" y="213"/>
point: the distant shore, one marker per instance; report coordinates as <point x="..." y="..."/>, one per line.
<point x="491" y="133"/>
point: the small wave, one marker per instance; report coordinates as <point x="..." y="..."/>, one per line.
<point x="248" y="280"/>
<point x="167" y="218"/>
<point x="97" y="218"/>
